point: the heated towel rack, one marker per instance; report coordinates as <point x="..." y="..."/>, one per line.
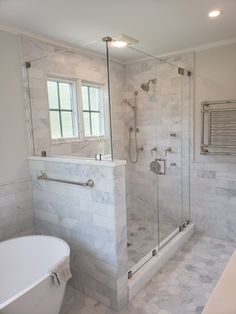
<point x="218" y="127"/>
<point x="44" y="176"/>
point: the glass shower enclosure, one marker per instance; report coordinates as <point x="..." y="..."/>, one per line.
<point x="151" y="130"/>
<point x="145" y="115"/>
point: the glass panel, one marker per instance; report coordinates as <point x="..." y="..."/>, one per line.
<point x="94" y="98"/>
<point x="137" y="114"/>
<point x="47" y="93"/>
<point x="85" y="98"/>
<point x="186" y="146"/>
<point x="87" y="126"/>
<point x="65" y="95"/>
<point x="55" y="124"/>
<point x="95" y="123"/>
<point x="153" y="103"/>
<point x="67" y="124"/>
<point x="52" y="95"/>
<point x="170" y="149"/>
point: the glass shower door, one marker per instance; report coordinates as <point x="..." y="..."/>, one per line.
<point x="173" y="150"/>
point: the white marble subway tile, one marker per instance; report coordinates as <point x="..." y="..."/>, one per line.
<point x="45" y="215"/>
<point x="7" y="200"/>
<point x="104" y="222"/>
<point x="87" y="219"/>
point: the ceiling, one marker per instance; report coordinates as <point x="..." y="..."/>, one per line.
<point x="161" y="26"/>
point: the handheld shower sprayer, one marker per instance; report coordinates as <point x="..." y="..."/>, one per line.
<point x="133" y="129"/>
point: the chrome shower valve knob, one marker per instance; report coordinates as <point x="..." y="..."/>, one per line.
<point x="155" y="166"/>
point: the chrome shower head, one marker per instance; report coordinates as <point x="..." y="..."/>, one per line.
<point x="146" y="86"/>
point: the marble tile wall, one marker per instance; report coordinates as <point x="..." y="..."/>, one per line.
<point x="72" y="65"/>
<point x="213" y="199"/>
<point x="91" y="220"/>
<point x="16" y="209"/>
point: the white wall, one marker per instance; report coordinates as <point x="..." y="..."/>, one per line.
<point x="215" y="79"/>
<point x="213" y="178"/>
<point x="16" y="214"/>
<point x="13" y="132"/>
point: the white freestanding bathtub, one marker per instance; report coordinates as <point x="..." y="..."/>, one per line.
<point x="26" y="286"/>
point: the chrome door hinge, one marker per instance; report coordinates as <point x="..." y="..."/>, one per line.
<point x="184" y="225"/>
<point x="154" y="252"/>
<point x="182" y="71"/>
<point x="130" y="274"/>
<point x="28" y="64"/>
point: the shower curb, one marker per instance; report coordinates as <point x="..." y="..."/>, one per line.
<point x="145" y="274"/>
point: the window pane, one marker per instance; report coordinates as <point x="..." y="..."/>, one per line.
<point x="67" y="124"/>
<point x="85" y="97"/>
<point x="95" y="124"/>
<point x="87" y="130"/>
<point x="52" y="95"/>
<point x="94" y="98"/>
<point x="65" y="95"/>
<point x="55" y="124"/>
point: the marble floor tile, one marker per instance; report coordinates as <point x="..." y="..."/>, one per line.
<point x="143" y="236"/>
<point x="181" y="287"/>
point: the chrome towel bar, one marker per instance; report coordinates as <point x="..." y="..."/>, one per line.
<point x="44" y="176"/>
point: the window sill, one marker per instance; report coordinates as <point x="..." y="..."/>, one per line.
<point x="77" y="140"/>
<point x="65" y="140"/>
<point x="95" y="138"/>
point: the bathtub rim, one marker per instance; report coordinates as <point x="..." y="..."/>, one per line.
<point x="36" y="282"/>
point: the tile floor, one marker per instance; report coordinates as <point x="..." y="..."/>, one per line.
<point x="143" y="236"/>
<point x="181" y="287"/>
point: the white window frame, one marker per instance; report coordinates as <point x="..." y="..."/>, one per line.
<point x="103" y="110"/>
<point x="77" y="106"/>
<point x="75" y="115"/>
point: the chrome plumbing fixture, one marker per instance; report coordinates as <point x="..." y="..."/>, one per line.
<point x="133" y="129"/>
<point x="146" y="86"/>
<point x="167" y="150"/>
<point x="155" y="166"/>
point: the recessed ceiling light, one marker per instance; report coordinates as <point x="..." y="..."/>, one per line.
<point x="123" y="41"/>
<point x="119" y="43"/>
<point x="214" y="13"/>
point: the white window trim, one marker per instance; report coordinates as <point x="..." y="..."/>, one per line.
<point x="104" y="111"/>
<point x="78" y="109"/>
<point x="75" y="116"/>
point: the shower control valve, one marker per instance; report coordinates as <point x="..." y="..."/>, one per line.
<point x="131" y="129"/>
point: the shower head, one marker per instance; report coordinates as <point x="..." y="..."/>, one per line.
<point x="146" y="86"/>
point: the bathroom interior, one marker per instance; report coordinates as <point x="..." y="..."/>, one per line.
<point x="118" y="169"/>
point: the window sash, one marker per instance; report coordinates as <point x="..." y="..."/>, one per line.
<point x="60" y="110"/>
<point x="90" y="111"/>
<point x="74" y="127"/>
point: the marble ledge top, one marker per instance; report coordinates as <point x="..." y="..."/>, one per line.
<point x="79" y="160"/>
